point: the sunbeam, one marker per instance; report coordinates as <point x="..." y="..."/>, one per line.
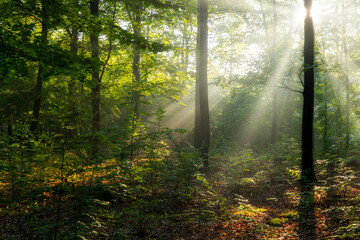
<point x="250" y="129"/>
<point x="182" y="115"/>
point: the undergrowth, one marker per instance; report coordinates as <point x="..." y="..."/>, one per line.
<point x="50" y="189"/>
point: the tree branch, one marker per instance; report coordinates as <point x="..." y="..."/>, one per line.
<point x="291" y="89"/>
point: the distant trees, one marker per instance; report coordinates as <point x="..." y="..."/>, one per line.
<point x="346" y="75"/>
<point x="54" y="55"/>
<point x="274" y="127"/>
<point x="51" y="48"/>
<point x="202" y="118"/>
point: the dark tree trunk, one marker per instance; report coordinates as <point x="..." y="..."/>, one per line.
<point x="136" y="62"/>
<point x="9" y="129"/>
<point x="41" y="73"/>
<point x="74" y="41"/>
<point x="74" y="47"/>
<point x="338" y="117"/>
<point x="95" y="90"/>
<point x="307" y="221"/>
<point x="202" y="118"/>
<point x="308" y="107"/>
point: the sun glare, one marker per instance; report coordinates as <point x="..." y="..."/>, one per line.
<point x="301" y="12"/>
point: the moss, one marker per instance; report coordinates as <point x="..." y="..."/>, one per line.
<point x="278" y="221"/>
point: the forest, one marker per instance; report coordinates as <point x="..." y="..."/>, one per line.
<point x="179" y="119"/>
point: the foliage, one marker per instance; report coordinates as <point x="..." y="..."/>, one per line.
<point x="148" y="181"/>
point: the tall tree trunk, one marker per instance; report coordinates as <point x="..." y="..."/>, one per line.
<point x="95" y="90"/>
<point x="339" y="110"/>
<point x="136" y="63"/>
<point x="274" y="128"/>
<point x="202" y="116"/>
<point x="41" y="73"/>
<point x="338" y="116"/>
<point x="74" y="42"/>
<point x="135" y="19"/>
<point x="307" y="221"/>
<point x="185" y="52"/>
<point x="82" y="86"/>
<point x="74" y="47"/>
<point x="325" y="132"/>
<point x="308" y="107"/>
<point x="186" y="41"/>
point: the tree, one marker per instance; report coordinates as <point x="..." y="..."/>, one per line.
<point x="308" y="106"/>
<point x="41" y="71"/>
<point x="135" y="10"/>
<point x="306" y="212"/>
<point x="274" y="127"/>
<point x="346" y="77"/>
<point x="202" y="116"/>
<point x="95" y="90"/>
<point x="73" y="32"/>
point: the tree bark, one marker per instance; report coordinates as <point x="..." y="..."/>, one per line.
<point x="74" y="41"/>
<point x="74" y="48"/>
<point x="136" y="62"/>
<point x="307" y="220"/>
<point x="308" y="107"/>
<point x="134" y="11"/>
<point x="202" y="116"/>
<point x="39" y="80"/>
<point x="95" y="90"/>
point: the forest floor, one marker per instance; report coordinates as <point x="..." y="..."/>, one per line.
<point x="266" y="207"/>
<point x="256" y="203"/>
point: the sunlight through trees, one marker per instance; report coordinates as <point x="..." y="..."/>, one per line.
<point x="179" y="119"/>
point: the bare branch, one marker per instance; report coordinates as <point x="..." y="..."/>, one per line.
<point x="291" y="89"/>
